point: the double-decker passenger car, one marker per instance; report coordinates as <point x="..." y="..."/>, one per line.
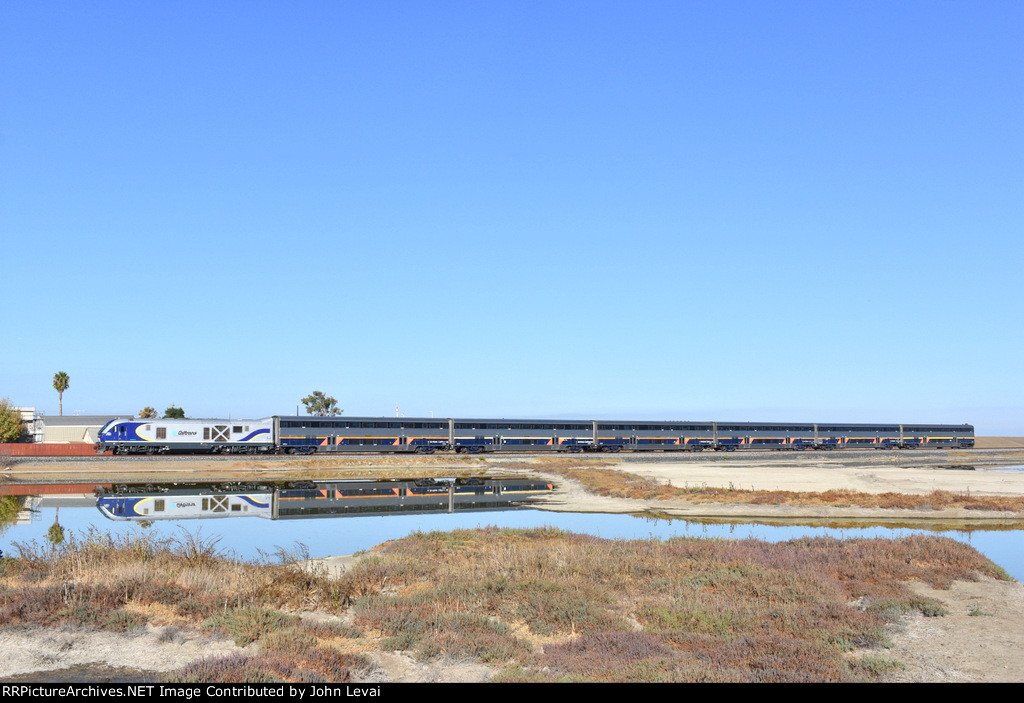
<point x="426" y="435"/>
<point x="298" y="433"/>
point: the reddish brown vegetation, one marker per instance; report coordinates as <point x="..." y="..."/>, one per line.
<point x="552" y="606"/>
<point x="537" y="605"/>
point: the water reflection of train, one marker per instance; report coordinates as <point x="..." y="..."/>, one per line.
<point x="308" y="434"/>
<point x="141" y="502"/>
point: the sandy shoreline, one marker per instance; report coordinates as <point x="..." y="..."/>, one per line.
<point x="811" y="475"/>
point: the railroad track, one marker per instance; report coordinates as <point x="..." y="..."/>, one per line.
<point x="961" y="456"/>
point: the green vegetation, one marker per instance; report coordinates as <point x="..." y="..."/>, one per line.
<point x="10" y="421"/>
<point x="10" y="506"/>
<point x="55" y="534"/>
<point x="61" y="381"/>
<point x="317" y="403"/>
<point x="173" y="413"/>
<point x="535" y="605"/>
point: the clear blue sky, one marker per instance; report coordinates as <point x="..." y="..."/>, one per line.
<point x="672" y="210"/>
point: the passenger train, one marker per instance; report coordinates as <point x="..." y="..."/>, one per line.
<point x="306" y="434"/>
<point x="308" y="499"/>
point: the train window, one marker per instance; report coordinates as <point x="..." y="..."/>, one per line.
<point x="206" y="435"/>
<point x="161" y="433"/>
<point x="148" y="427"/>
<point x="158" y="505"/>
<point x="237" y="428"/>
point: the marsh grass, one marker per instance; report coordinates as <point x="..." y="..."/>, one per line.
<point x="111" y="582"/>
<point x="543" y="605"/>
<point x="619" y="484"/>
<point x="251" y="624"/>
<point x="533" y="604"/>
<point x="316" y="665"/>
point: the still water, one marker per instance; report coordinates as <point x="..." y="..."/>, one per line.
<point x="248" y="537"/>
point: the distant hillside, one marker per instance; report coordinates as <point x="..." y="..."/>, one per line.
<point x="999" y="442"/>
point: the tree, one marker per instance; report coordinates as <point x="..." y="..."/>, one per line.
<point x="61" y="381"/>
<point x="55" y="534"/>
<point x="319" y="404"/>
<point x="147" y="413"/>
<point x="174" y="413"/>
<point x="10" y="506"/>
<point x="10" y="422"/>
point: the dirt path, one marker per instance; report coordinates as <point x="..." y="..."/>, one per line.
<point x="980" y="640"/>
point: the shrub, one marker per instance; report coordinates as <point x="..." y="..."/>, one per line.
<point x="314" y="666"/>
<point x="250" y="624"/>
<point x="873" y="666"/>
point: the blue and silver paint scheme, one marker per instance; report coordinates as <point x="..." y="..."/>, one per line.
<point x="165" y="506"/>
<point x="155" y="435"/>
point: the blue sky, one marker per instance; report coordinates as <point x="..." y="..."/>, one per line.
<point x="790" y="211"/>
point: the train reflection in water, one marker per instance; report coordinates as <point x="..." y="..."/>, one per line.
<point x="304" y="499"/>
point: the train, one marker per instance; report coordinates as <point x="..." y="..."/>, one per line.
<point x="307" y="434"/>
<point x="309" y="499"/>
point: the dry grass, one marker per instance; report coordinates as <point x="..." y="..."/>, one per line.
<point x="315" y="665"/>
<point x="681" y="610"/>
<point x="536" y="605"/>
<point x="620" y="484"/>
<point x="123" y="582"/>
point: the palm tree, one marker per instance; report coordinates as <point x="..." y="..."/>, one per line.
<point x="61" y="381"/>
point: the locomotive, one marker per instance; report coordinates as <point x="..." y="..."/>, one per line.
<point x="161" y="436"/>
<point x="306" y="434"/>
